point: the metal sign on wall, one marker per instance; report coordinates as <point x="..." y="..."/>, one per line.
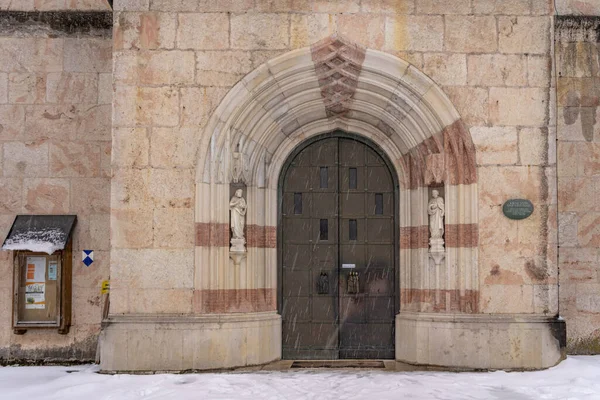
<point x="517" y="208"/>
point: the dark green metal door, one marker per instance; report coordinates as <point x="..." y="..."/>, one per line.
<point x="338" y="296"/>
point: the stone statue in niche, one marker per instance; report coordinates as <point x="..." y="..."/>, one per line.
<point x="435" y="209"/>
<point x="237" y="206"/>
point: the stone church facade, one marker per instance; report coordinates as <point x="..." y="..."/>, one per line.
<point x="146" y="117"/>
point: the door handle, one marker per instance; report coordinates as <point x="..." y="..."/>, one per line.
<point x="353" y="284"/>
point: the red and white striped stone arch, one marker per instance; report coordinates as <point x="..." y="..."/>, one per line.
<point x="336" y="84"/>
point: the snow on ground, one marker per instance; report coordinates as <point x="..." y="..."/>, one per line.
<point x="577" y="378"/>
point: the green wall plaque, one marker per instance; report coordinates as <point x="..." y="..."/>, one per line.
<point x="517" y="208"/>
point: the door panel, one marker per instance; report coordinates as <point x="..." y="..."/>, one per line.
<point x="338" y="208"/>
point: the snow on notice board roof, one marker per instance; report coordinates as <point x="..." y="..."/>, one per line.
<point x="39" y="233"/>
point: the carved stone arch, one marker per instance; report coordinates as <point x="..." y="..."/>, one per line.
<point x="337" y="85"/>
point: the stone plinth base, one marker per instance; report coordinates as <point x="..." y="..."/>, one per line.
<point x="138" y="343"/>
<point x="469" y="341"/>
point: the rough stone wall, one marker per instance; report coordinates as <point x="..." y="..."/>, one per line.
<point x="54" y="5"/>
<point x="55" y="149"/>
<point x="578" y="69"/>
<point x="175" y="60"/>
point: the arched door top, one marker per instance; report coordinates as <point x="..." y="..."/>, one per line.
<point x="336" y="84"/>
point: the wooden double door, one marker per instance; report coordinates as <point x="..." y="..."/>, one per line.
<point x="337" y="264"/>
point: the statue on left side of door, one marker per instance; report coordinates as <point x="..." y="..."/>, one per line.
<point x="237" y="206"/>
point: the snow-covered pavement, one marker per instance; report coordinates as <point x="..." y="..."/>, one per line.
<point x="575" y="378"/>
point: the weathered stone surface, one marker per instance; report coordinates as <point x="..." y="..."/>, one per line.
<point x="226" y="5"/>
<point x="74" y="159"/>
<point x="50" y="121"/>
<point x="94" y="123"/>
<point x="533" y="146"/>
<point x="283" y="5"/>
<point x="497" y="184"/>
<point x="470" y="34"/>
<point x="443" y="8"/>
<point x="129" y="189"/>
<point x="528" y="35"/>
<point x="388" y="6"/>
<point x="31" y="55"/>
<point x="497" y="70"/>
<point x="260" y="31"/>
<point x="495" y="145"/>
<point x="157" y="106"/>
<point x="518" y="106"/>
<point x="222" y="68"/>
<point x="414" y="32"/>
<point x="12" y="121"/>
<point x="308" y="29"/>
<point x="172" y="187"/>
<point x="90" y="195"/>
<point x="570" y="156"/>
<point x="213" y="35"/>
<point x="79" y="88"/>
<point x="26" y="159"/>
<point x="567" y="229"/>
<point x="27" y="88"/>
<point x="364" y="29"/>
<point x="131" y="229"/>
<point x="173" y="147"/>
<point x="446" y="69"/>
<point x="11" y="195"/>
<point x="105" y="88"/>
<point x="131" y="147"/>
<point x="338" y="6"/>
<point x="543" y="7"/>
<point x="3" y="87"/>
<point x="539" y="69"/>
<point x="146" y="268"/>
<point x="588" y="231"/>
<point x="471" y="103"/>
<point x="168" y="301"/>
<point x="149" y="30"/>
<point x="577" y="7"/>
<point x="155" y="67"/>
<point x="197" y="104"/>
<point x="99" y="232"/>
<point x="174" y="5"/>
<point x="88" y="55"/>
<point x="174" y="228"/>
<point x="131" y="5"/>
<point x="577" y="194"/>
<point x="506" y="7"/>
<point x="576" y="59"/>
<point x="46" y="195"/>
<point x="507" y="298"/>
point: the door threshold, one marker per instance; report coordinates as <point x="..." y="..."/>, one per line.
<point x="338" y="364"/>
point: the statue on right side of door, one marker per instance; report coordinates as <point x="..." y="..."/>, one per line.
<point x="436" y="212"/>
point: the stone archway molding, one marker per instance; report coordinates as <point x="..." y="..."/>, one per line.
<point x="333" y="85"/>
<point x="337" y="84"/>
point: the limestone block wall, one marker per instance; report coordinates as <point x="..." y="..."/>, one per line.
<point x="55" y="150"/>
<point x="175" y="61"/>
<point x="578" y="68"/>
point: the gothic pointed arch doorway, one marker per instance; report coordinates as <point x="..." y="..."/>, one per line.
<point x="338" y="266"/>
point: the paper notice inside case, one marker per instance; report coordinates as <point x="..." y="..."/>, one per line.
<point x="52" y="270"/>
<point x="36" y="269"/>
<point x="35" y="296"/>
<point x="348" y="265"/>
<point x="35" y="283"/>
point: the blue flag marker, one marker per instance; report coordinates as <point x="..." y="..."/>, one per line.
<point x="87" y="256"/>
